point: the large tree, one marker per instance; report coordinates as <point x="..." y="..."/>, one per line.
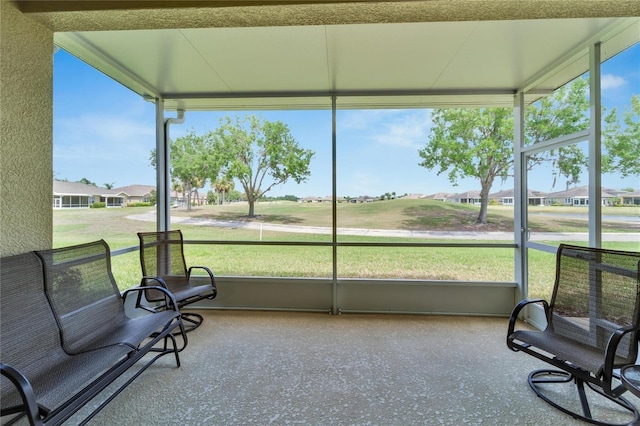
<point x="260" y="155"/>
<point x="478" y="143"/>
<point x="192" y="161"/>
<point x="471" y="143"/>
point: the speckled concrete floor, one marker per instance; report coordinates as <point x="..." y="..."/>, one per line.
<point x="279" y="368"/>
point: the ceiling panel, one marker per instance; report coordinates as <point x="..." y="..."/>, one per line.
<point x="393" y="56"/>
<point x="509" y="53"/>
<point x="486" y="61"/>
<point x="265" y="59"/>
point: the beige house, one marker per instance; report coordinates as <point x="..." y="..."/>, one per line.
<point x="506" y="197"/>
<point x="579" y="197"/>
<point x="80" y="195"/>
<point x="136" y="193"/>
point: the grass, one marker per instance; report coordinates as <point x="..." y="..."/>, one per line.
<point x="433" y="263"/>
<point x="413" y="214"/>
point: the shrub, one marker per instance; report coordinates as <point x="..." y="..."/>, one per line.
<point x="98" y="205"/>
<point x="139" y="204"/>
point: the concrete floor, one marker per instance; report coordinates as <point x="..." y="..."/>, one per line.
<point x="280" y="368"/>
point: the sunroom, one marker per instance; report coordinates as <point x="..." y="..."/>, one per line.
<point x="335" y="63"/>
<point x="375" y="63"/>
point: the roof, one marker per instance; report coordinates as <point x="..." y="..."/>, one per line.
<point x="290" y="54"/>
<point x="579" y="191"/>
<point x="61" y="187"/>
<point x="531" y="193"/>
<point x="136" y="190"/>
<point x="465" y="195"/>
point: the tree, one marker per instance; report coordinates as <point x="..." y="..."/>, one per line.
<point x="622" y="143"/>
<point x="260" y="155"/>
<point x="222" y="187"/>
<point x="478" y="143"/>
<point x="108" y="185"/>
<point x="471" y="143"/>
<point x="563" y="113"/>
<point x="192" y="161"/>
<point x="87" y="182"/>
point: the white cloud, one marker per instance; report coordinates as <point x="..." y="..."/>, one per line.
<point x="611" y="81"/>
<point x="364" y="119"/>
<point x="408" y="130"/>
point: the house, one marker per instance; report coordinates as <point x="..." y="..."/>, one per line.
<point x="80" y="195"/>
<point x="469" y="197"/>
<point x="136" y="193"/>
<point x="439" y="196"/>
<point x="629" y="198"/>
<point x="579" y="197"/>
<point x="506" y="197"/>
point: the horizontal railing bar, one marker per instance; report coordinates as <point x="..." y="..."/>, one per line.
<point x="350" y="244"/>
<point x="124" y="250"/>
<point x="130" y="249"/>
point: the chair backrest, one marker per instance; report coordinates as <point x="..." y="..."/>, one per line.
<point x="30" y="338"/>
<point x="162" y="254"/>
<point x="597" y="291"/>
<point x="83" y="293"/>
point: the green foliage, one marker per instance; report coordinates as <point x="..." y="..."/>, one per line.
<point x="87" y="182"/>
<point x="478" y="143"/>
<point x="623" y="142"/>
<point x="260" y="155"/>
<point x="139" y="204"/>
<point x="563" y="113"/>
<point x="472" y="142"/>
<point x="98" y="205"/>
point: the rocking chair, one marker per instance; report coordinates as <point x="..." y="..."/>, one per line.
<point x="163" y="264"/>
<point x="592" y="330"/>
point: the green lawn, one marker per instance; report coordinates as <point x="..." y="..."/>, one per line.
<point x="436" y="263"/>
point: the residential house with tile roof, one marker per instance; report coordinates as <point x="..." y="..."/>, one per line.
<point x="80" y="195"/>
<point x="579" y="197"/>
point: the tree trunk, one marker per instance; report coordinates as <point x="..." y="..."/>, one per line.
<point x="484" y="203"/>
<point x="252" y="204"/>
<point x="187" y="192"/>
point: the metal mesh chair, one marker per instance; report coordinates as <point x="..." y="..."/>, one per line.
<point x="163" y="263"/>
<point x="592" y="328"/>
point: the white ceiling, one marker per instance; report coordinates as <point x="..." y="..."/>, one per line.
<point x="365" y="65"/>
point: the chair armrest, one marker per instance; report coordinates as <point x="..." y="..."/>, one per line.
<point x="30" y="405"/>
<point x="610" y="357"/>
<point x="516" y="312"/>
<point x="170" y="300"/>
<point x="159" y="280"/>
<point x="211" y="278"/>
<point x="207" y="270"/>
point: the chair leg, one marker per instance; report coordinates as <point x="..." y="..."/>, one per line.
<point x="191" y="320"/>
<point x="541" y="377"/>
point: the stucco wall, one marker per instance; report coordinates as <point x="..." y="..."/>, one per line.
<point x="26" y="133"/>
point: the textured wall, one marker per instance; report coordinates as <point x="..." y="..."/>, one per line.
<point x="104" y="15"/>
<point x="26" y="133"/>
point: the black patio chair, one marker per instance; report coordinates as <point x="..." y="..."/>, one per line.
<point x="592" y="331"/>
<point x="163" y="263"/>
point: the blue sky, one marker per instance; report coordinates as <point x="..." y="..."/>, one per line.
<point x="104" y="132"/>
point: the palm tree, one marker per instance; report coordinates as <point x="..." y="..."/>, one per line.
<point x="223" y="186"/>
